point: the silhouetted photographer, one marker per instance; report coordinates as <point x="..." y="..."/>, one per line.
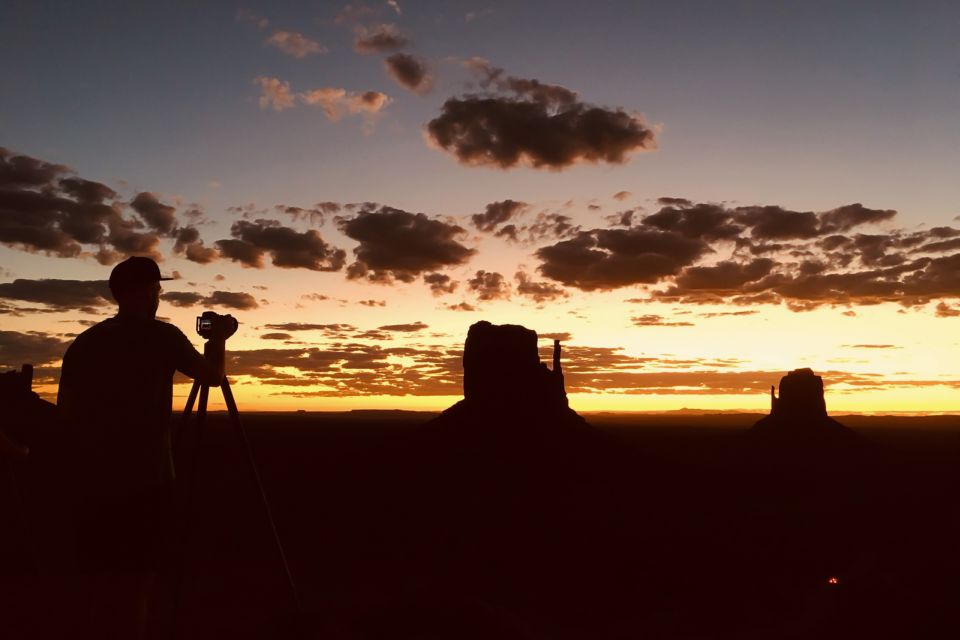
<point x="115" y="395"/>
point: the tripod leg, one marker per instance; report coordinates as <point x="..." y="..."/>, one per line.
<point x="235" y="417"/>
<point x="186" y="517"/>
<point x="185" y="417"/>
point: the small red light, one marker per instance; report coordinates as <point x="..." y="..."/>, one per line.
<point x="832" y="580"/>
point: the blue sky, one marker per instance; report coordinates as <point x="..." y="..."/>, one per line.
<point x="804" y="105"/>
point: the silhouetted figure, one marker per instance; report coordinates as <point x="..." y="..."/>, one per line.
<point x="115" y="396"/>
<point x="506" y="387"/>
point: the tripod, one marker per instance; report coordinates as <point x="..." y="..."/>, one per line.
<point x="204" y="391"/>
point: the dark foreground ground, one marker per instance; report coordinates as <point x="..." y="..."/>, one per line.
<point x="660" y="527"/>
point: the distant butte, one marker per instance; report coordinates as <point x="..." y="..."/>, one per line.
<point x="798" y="417"/>
<point x="505" y="386"/>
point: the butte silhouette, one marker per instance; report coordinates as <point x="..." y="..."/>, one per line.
<point x="507" y="390"/>
<point x="798" y="422"/>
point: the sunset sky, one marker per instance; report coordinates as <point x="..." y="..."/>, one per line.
<point x="696" y="197"/>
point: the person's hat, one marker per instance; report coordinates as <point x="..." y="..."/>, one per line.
<point x="134" y="272"/>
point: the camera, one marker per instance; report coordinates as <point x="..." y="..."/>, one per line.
<point x="211" y="324"/>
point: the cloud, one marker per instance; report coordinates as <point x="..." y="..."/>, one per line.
<point x="440" y="283"/>
<point x="275" y="93"/>
<point x="276" y="336"/>
<point x="776" y="223"/>
<point x="852" y="215"/>
<point x="724" y="278"/>
<point x="414" y="326"/>
<point x="707" y="221"/>
<point x="373" y="303"/>
<point x="497" y="213"/>
<point x="87" y="296"/>
<point x="189" y="245"/>
<point x="287" y="247"/>
<point x="335" y="102"/>
<point x="397" y="244"/>
<point x="315" y="215"/>
<point x="46" y="209"/>
<point x="181" y="298"/>
<point x="946" y="311"/>
<point x="871" y="346"/>
<point x="380" y="38"/>
<point x="652" y="320"/>
<point x="461" y="306"/>
<point x="161" y="217"/>
<point x="295" y="44"/>
<point x="489" y="285"/>
<point x="540" y="292"/>
<point x="410" y="72"/>
<point x="393" y="4"/>
<point x="339" y="102"/>
<point x="31" y="347"/>
<point x="232" y="300"/>
<point x="604" y="259"/>
<point x="525" y="122"/>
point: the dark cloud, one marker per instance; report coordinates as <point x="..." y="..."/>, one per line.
<point x="461" y="306"/>
<point x="189" y="245"/>
<point x="160" y="217"/>
<point x="621" y="218"/>
<point x="24" y="171"/>
<point x="396" y="244"/>
<point x="653" y="320"/>
<point x="527" y="122"/>
<point x="852" y="215"/>
<point x="373" y="303"/>
<point x="489" y="285"/>
<point x="182" y="298"/>
<point x="707" y="221"/>
<point x="276" y="336"/>
<point x="410" y="72"/>
<point x="776" y="223"/>
<point x="31" y="347"/>
<point x="88" y="296"/>
<point x="604" y="259"/>
<point x="440" y="283"/>
<point x="540" y="292"/>
<point x="808" y="261"/>
<point x="45" y="208"/>
<point x="413" y="326"/>
<point x="379" y="39"/>
<point x="232" y="300"/>
<point x="315" y="215"/>
<point x="288" y="248"/>
<point x="622" y="195"/>
<point x="497" y="213"/>
<point x="724" y="278"/>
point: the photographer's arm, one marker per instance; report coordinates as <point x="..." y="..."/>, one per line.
<point x="208" y="369"/>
